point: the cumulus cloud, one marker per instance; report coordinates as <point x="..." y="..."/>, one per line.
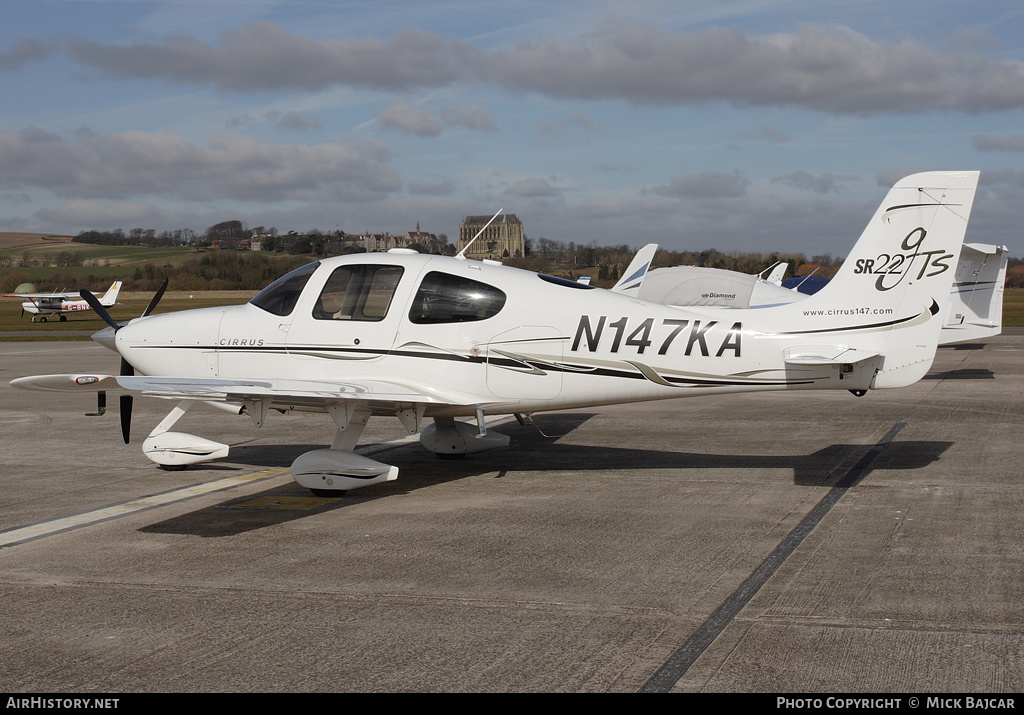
<point x="825" y="183"/>
<point x="119" y="166"/>
<point x="834" y="69"/>
<point x="24" y="51"/>
<point x="293" y="120"/>
<point x="705" y="185"/>
<point x="409" y="118"/>
<point x="262" y="56"/>
<point x="81" y="212"/>
<point x="471" y="116"/>
<point x="283" y="120"/>
<point x="412" y="119"/>
<point x="432" y="187"/>
<point x="988" y="142"/>
<point x="889" y="177"/>
<point x="825" y="69"/>
<point x="533" y="188"/>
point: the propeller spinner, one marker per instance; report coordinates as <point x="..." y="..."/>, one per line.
<point x="125" y="401"/>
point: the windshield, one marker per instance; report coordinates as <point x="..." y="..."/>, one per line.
<point x="280" y="296"/>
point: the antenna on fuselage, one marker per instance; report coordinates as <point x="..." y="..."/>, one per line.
<point x="797" y="286"/>
<point x="460" y="255"/>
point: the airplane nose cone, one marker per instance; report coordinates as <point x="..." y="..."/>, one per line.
<point x="105" y="338"/>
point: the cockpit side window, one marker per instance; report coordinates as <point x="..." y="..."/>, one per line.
<point x="444" y="298"/>
<point x="280" y="296"/>
<point x="358" y="292"/>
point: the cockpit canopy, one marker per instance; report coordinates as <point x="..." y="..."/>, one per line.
<point x="365" y="291"/>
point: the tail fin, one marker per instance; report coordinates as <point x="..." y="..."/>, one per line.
<point x="888" y="296"/>
<point x="778" y="272"/>
<point x="110" y="297"/>
<point x="633" y="277"/>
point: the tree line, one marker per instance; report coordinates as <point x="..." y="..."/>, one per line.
<point x="252" y="270"/>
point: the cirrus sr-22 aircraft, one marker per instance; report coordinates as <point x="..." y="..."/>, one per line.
<point x="433" y="340"/>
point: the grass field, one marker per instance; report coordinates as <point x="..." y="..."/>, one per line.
<point x="9" y="239"/>
<point x="121" y="261"/>
<point x="1013" y="307"/>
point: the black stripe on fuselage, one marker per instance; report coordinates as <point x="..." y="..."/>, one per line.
<point x="312" y="350"/>
<point x="869" y="326"/>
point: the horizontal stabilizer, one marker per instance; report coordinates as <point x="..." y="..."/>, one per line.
<point x="825" y="355"/>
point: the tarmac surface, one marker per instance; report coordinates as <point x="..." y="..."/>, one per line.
<point x="804" y="542"/>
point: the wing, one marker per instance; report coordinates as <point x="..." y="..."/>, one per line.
<point x="34" y="296"/>
<point x="381" y="394"/>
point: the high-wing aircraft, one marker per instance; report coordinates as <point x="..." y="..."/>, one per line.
<point x="435" y="339"/>
<point x="974" y="308"/>
<point x="40" y="305"/>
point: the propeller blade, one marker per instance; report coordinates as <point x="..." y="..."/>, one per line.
<point x="126" y="416"/>
<point x="95" y="304"/>
<point x="156" y="299"/>
<point x="125" y="402"/>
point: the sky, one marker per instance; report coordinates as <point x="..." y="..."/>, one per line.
<point x="736" y="125"/>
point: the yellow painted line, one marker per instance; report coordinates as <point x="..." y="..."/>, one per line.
<point x="46" y="528"/>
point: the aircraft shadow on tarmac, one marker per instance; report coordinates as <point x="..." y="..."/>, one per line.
<point x="962" y="374"/>
<point x="531" y="452"/>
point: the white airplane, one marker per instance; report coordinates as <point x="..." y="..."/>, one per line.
<point x="433" y="338"/>
<point x="40" y="305"/>
<point x="974" y="308"/>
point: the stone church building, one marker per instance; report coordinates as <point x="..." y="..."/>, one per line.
<point x="502" y="240"/>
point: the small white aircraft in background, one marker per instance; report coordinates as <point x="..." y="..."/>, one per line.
<point x="41" y="305"/>
<point x="422" y="337"/>
<point x="974" y="309"/>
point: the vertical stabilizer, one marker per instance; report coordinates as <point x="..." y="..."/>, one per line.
<point x="110" y="297"/>
<point x="888" y="295"/>
<point x="633" y="277"/>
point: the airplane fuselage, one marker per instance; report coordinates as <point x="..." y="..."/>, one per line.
<point x="54" y="306"/>
<point x="550" y="344"/>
